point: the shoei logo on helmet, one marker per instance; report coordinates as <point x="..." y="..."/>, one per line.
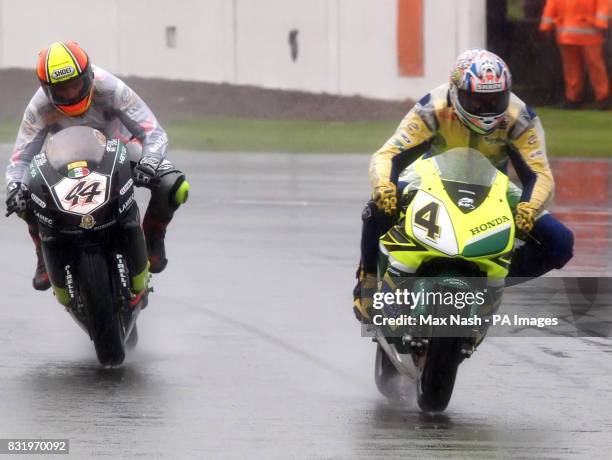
<point x="64" y="72"/>
<point x="489" y="87"/>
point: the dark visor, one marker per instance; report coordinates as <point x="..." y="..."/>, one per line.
<point x="72" y="91"/>
<point x="482" y="104"/>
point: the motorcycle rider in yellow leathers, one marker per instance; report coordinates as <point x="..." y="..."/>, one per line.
<point x="476" y="109"/>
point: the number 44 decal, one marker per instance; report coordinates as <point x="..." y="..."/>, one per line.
<point x="427" y="219"/>
<point x="81" y="196"/>
<point x="83" y="193"/>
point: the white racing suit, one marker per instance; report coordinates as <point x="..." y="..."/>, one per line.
<point x="118" y="112"/>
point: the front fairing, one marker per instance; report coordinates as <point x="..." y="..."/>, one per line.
<point x="75" y="194"/>
<point x="454" y="206"/>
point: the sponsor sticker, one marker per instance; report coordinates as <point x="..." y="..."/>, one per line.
<point x="127" y="204"/>
<point x="77" y="164"/>
<point x="40" y="159"/>
<point x="111" y="145"/>
<point x="489" y="225"/>
<point x="466" y="202"/>
<point x="87" y="222"/>
<point x="412" y="127"/>
<point x="536" y="154"/>
<point x="69" y="281"/>
<point x="405" y="138"/>
<point x="123" y="155"/>
<point x="44" y="219"/>
<point x="79" y="172"/>
<point x="126" y="187"/>
<point x="63" y="73"/>
<point x="489" y="86"/>
<point x="38" y="200"/>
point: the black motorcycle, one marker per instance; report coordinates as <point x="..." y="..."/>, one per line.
<point x="81" y="191"/>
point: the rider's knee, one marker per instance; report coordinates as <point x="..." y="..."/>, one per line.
<point x="559" y="239"/>
<point x="171" y="189"/>
<point x="564" y="246"/>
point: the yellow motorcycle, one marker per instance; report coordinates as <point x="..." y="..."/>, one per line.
<point x="441" y="272"/>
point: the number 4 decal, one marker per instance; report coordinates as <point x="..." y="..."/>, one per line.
<point x="427" y="219"/>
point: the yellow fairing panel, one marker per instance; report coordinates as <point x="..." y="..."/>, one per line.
<point x="435" y="226"/>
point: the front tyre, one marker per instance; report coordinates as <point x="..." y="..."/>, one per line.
<point x="96" y="292"/>
<point x="436" y="380"/>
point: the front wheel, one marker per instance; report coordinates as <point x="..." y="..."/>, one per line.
<point x="104" y="323"/>
<point x="436" y="380"/>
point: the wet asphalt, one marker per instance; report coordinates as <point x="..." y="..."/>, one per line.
<point x="249" y="348"/>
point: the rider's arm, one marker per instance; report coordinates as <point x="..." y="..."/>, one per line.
<point x="30" y="138"/>
<point x="416" y="129"/>
<point x="528" y="156"/>
<point x="140" y="121"/>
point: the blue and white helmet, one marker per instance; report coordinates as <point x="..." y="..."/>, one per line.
<point x="480" y="84"/>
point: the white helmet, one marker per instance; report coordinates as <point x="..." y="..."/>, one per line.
<point x="480" y="85"/>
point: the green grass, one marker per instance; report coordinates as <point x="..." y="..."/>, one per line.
<point x="568" y="133"/>
<point x="581" y="133"/>
<point x="8" y="131"/>
<point x="235" y="134"/>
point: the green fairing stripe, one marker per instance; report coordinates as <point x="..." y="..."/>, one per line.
<point x="182" y="193"/>
<point x="62" y="295"/>
<point x="139" y="282"/>
<point x="489" y="245"/>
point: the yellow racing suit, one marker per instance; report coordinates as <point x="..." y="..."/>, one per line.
<point x="432" y="122"/>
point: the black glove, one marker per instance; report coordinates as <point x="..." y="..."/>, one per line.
<point x="15" y="199"/>
<point x="145" y="172"/>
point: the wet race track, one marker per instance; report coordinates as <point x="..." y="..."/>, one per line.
<point x="249" y="348"/>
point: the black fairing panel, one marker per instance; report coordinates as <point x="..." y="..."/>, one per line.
<point x="467" y="197"/>
<point x="90" y="199"/>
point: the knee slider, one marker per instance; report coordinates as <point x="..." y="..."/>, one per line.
<point x="181" y="195"/>
<point x="172" y="189"/>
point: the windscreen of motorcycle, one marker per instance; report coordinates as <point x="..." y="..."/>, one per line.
<point x="465" y="165"/>
<point x="75" y="144"/>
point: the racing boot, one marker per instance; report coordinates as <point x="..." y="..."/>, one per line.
<point x="363" y="294"/>
<point x="155" y="232"/>
<point x="40" y="282"/>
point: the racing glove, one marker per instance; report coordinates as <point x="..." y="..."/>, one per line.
<point x="385" y="197"/>
<point x="15" y="199"/>
<point x="145" y="172"/>
<point x="525" y="216"/>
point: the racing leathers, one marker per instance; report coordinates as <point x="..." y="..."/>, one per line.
<point x="433" y="125"/>
<point x="118" y="112"/>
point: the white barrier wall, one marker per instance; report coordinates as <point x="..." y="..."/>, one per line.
<point x="345" y="47"/>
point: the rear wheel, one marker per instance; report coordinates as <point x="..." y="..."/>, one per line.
<point x="96" y="291"/>
<point x="435" y="382"/>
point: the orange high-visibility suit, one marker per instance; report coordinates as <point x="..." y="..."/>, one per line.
<point x="580" y="25"/>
